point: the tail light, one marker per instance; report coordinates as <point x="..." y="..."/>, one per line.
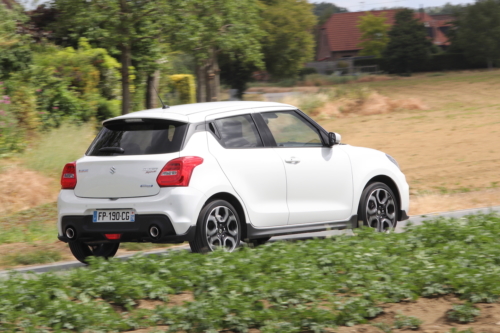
<point x="178" y="171"/>
<point x="68" y="177"/>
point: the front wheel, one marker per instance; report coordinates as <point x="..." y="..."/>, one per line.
<point x="218" y="226"/>
<point x="83" y="251"/>
<point x="378" y="207"/>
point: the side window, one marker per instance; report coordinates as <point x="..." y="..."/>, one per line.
<point x="291" y="130"/>
<point x="238" y="132"/>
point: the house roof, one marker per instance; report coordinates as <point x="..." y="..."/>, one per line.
<point x="343" y="34"/>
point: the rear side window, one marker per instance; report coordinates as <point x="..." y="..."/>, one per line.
<point x="138" y="137"/>
<point x="238" y="132"/>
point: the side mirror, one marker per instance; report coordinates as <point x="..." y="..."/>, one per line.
<point x="333" y="139"/>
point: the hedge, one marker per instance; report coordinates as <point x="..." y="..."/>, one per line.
<point x="185" y="87"/>
<point x="437" y="62"/>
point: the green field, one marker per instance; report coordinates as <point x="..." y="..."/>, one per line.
<point x="305" y="286"/>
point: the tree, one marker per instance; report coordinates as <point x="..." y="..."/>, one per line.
<point x="117" y="25"/>
<point x="408" y="43"/>
<point x="477" y="31"/>
<point x="373" y="34"/>
<point x="289" y="42"/>
<point x="207" y="28"/>
<point x="15" y="52"/>
<point x="324" y="10"/>
<point x="447" y="8"/>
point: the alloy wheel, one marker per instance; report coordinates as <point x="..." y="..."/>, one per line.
<point x="381" y="210"/>
<point x="222" y="229"/>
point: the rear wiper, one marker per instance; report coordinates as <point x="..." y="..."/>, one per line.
<point x="119" y="150"/>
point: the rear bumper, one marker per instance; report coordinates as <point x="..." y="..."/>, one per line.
<point x="139" y="231"/>
<point x="175" y="210"/>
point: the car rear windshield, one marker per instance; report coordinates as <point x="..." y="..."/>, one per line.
<point x="138" y="137"/>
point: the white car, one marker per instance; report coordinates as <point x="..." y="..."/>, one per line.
<point x="214" y="174"/>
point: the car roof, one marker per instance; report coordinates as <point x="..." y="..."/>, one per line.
<point x="198" y="111"/>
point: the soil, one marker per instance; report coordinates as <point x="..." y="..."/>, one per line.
<point x="433" y="313"/>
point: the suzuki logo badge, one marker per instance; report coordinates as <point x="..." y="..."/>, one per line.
<point x="112" y="170"/>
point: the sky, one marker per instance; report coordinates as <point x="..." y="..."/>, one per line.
<point x="358" y="5"/>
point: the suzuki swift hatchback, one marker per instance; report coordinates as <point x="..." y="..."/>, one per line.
<point x="214" y="174"/>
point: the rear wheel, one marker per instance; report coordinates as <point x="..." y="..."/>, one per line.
<point x="218" y="226"/>
<point x="83" y="251"/>
<point x="378" y="207"/>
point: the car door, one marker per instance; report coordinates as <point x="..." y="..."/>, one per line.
<point x="254" y="170"/>
<point x="319" y="178"/>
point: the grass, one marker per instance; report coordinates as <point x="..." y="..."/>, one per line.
<point x="31" y="257"/>
<point x="278" y="287"/>
<point x="33" y="225"/>
<point x="59" y="146"/>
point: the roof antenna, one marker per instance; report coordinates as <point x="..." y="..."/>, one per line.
<point x="163" y="104"/>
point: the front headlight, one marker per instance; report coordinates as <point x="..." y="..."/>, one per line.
<point x="393" y="160"/>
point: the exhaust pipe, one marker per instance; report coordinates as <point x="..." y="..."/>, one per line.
<point x="70" y="233"/>
<point x="154" y="231"/>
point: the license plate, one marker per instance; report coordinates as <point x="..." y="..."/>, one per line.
<point x="113" y="215"/>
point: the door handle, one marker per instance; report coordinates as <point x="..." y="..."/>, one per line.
<point x="292" y="160"/>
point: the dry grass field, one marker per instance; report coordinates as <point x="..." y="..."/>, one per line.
<point x="450" y="152"/>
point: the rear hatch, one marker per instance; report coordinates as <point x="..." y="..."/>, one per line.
<point x="126" y="157"/>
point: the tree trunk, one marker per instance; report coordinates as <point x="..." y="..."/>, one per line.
<point x="211" y="78"/>
<point x="152" y="82"/>
<point x="490" y="64"/>
<point x="200" y="83"/>
<point x="217" y="76"/>
<point x="126" y="61"/>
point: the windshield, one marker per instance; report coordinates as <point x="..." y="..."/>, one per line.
<point x="138" y="137"/>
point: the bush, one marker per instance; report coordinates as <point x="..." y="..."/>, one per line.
<point x="11" y="136"/>
<point x="465" y="313"/>
<point x="306" y="71"/>
<point x="437" y="62"/>
<point x="407" y="322"/>
<point x="184" y="87"/>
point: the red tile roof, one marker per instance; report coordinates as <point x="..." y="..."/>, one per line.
<point x="343" y="34"/>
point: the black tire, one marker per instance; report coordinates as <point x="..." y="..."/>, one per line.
<point x="378" y="207"/>
<point x="82" y="251"/>
<point x="259" y="241"/>
<point x="216" y="223"/>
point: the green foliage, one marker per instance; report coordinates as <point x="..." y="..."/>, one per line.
<point x="289" y="42"/>
<point x="477" y="31"/>
<point x="282" y="286"/>
<point x="464" y="313"/>
<point x="307" y="71"/>
<point x="11" y="136"/>
<point x="65" y="84"/>
<point x="324" y="10"/>
<point x="407" y="322"/>
<point x="15" y="53"/>
<point x="373" y="34"/>
<point x="184" y="87"/>
<point x="134" y="31"/>
<point x="447" y="8"/>
<point x="408" y="45"/>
